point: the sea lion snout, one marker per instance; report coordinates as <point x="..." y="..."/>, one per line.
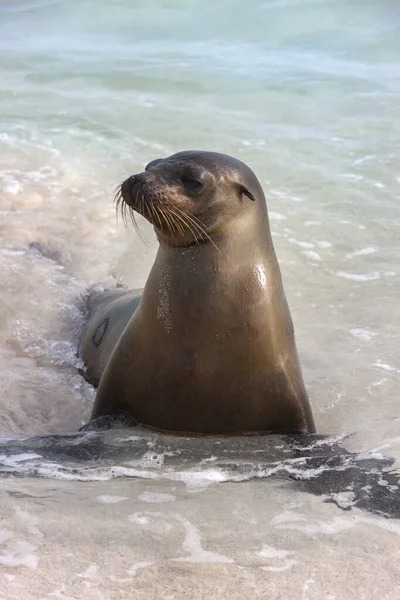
<point x="127" y="188"/>
<point x="130" y="187"/>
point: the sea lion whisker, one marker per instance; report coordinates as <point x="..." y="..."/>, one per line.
<point x="154" y="213"/>
<point x="149" y="210"/>
<point x="124" y="209"/>
<point x="117" y="194"/>
<point x="176" y="215"/>
<point x="178" y="220"/>
<point x="202" y="230"/>
<point x="136" y="226"/>
<point x="182" y="216"/>
<point x="196" y="223"/>
<point x="167" y="219"/>
<point x="161" y="219"/>
<point x="192" y="220"/>
<point x="159" y="210"/>
<point x="133" y="219"/>
<point x="141" y="202"/>
<point x="142" y="208"/>
<point x="175" y="225"/>
<point x="117" y="202"/>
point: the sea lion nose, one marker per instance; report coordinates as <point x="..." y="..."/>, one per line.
<point x="127" y="185"/>
<point x="144" y="177"/>
<point x="135" y="178"/>
<point x="131" y="182"/>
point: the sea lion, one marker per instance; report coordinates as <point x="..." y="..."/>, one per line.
<point x="208" y="346"/>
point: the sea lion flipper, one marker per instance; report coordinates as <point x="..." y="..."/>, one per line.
<point x="109" y="311"/>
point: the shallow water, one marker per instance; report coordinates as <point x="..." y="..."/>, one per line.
<point x="307" y="93"/>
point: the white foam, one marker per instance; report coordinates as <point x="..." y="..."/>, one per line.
<point x="363" y="334"/>
<point x="385" y="367"/>
<point x="359" y="277"/>
<point x="120" y="579"/>
<point x="111" y="499"/>
<point x="156" y="497"/>
<point x="149" y="460"/>
<point x="15" y="459"/>
<point x="362" y="252"/>
<point x="138" y="519"/>
<point x="367" y="157"/>
<point x="140" y="565"/>
<point x="274" y="216"/>
<point x="90" y="573"/>
<point x="5" y="534"/>
<point x="28" y="521"/>
<point x="208" y="460"/>
<point x="344" y="499"/>
<point x="301" y="243"/>
<point x="339" y="524"/>
<point x="377" y="384"/>
<point x="12" y="188"/>
<point x="388" y="444"/>
<point x="311" y="254"/>
<point x="196" y="479"/>
<point x="331" y="440"/>
<point x="270" y="552"/>
<point x="12" y="252"/>
<point x="307" y="584"/>
<point x="20" y="555"/>
<point x="371" y="454"/>
<point x="276" y="556"/>
<point x="192" y="545"/>
<point x="288" y="517"/>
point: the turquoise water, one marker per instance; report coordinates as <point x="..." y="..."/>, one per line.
<point x="307" y="93"/>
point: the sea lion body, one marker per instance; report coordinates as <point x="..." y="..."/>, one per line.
<point x="209" y="347"/>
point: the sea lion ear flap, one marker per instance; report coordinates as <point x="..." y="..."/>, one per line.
<point x="246" y="192"/>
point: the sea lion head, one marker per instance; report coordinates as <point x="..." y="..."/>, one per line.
<point x="190" y="196"/>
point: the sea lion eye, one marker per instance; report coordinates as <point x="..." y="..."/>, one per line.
<point x="191" y="182"/>
<point x="246" y="192"/>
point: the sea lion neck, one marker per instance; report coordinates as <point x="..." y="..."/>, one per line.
<point x="215" y="271"/>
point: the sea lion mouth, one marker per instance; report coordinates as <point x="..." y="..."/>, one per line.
<point x="171" y="222"/>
